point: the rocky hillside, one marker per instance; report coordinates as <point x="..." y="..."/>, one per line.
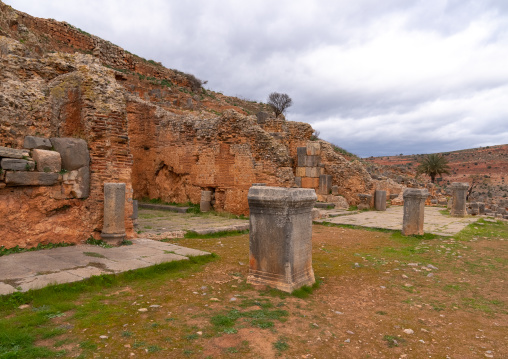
<point x="485" y="168"/>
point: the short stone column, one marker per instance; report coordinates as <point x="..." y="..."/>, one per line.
<point x="113" y="229"/>
<point x="325" y="184"/>
<point x="414" y="208"/>
<point x="135" y="209"/>
<point x="206" y="199"/>
<point x="459" y="192"/>
<point x="380" y="200"/>
<point x="281" y="237"/>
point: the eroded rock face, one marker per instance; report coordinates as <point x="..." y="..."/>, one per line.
<point x="351" y="177"/>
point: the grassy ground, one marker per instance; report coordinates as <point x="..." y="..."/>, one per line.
<point x="380" y="295"/>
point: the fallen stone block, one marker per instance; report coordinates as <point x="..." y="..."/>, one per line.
<point x="302" y="156"/>
<point x="300" y="172"/>
<point x="76" y="184"/>
<point x="32" y="142"/>
<point x="313" y="149"/>
<point x="30" y="179"/>
<point x="312" y="161"/>
<point x="313" y="171"/>
<point x="13" y="153"/>
<point x="74" y="152"/>
<point x="335" y="190"/>
<point x="15" y="164"/>
<point x="310" y="182"/>
<point x="47" y="161"/>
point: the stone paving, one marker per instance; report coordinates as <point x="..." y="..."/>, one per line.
<point x="157" y="224"/>
<point x="434" y="222"/>
<point x="34" y="270"/>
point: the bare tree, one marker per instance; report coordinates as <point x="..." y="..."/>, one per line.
<point x="279" y="102"/>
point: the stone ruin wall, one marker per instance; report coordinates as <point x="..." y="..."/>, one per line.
<point x="61" y="95"/>
<point x="176" y="157"/>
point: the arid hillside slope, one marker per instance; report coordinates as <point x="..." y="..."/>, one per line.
<point x="486" y="168"/>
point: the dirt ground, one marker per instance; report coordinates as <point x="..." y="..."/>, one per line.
<point x="381" y="296"/>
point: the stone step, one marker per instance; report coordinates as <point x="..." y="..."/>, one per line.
<point x="324" y="205"/>
<point x="163" y="207"/>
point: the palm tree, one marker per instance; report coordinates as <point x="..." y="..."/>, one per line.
<point x="433" y="165"/>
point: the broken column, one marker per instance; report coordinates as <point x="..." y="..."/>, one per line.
<point x="380" y="200"/>
<point x="205" y="203"/>
<point x="414" y="208"/>
<point x="459" y="192"/>
<point x="113" y="230"/>
<point x="281" y="237"/>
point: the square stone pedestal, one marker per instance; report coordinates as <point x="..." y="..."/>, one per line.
<point x="281" y="237"/>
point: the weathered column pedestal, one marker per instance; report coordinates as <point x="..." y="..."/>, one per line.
<point x="113" y="229"/>
<point x="205" y="203"/>
<point x="281" y="237"/>
<point x="380" y="200"/>
<point x="414" y="208"/>
<point x="459" y="193"/>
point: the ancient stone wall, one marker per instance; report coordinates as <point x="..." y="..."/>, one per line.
<point x="61" y="95"/>
<point x="176" y="157"/>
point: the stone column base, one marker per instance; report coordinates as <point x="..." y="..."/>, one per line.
<point x="113" y="239"/>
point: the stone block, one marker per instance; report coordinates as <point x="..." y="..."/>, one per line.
<point x="15" y="164"/>
<point x="262" y="117"/>
<point x="113" y="230"/>
<point x="393" y="195"/>
<point x="380" y="200"/>
<point x="335" y="190"/>
<point x="459" y="193"/>
<point x="13" y="153"/>
<point x="312" y="161"/>
<point x="41" y="143"/>
<point x="481" y="208"/>
<point x="312" y="171"/>
<point x="76" y="184"/>
<point x="365" y="201"/>
<point x="310" y="182"/>
<point x="313" y="149"/>
<point x="135" y="209"/>
<point x="298" y="181"/>
<point x="280" y="243"/>
<point x="302" y="156"/>
<point x="325" y="184"/>
<point x="300" y="172"/>
<point x="414" y="208"/>
<point x="74" y="152"/>
<point x="47" y="161"/>
<point x="204" y="204"/>
<point x="30" y="179"/>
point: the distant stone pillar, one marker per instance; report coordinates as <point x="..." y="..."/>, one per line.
<point x="281" y="237"/>
<point x="113" y="230"/>
<point x="459" y="192"/>
<point x="481" y="208"/>
<point x="206" y="198"/>
<point x="325" y="184"/>
<point x="134" y="209"/>
<point x="380" y="200"/>
<point x="414" y="208"/>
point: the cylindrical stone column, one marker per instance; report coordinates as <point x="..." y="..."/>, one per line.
<point x="113" y="230"/>
<point x="414" y="208"/>
<point x="206" y="198"/>
<point x="380" y="200"/>
<point x="281" y="237"/>
<point x="459" y="193"/>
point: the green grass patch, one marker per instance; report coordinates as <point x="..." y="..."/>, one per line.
<point x="6" y="251"/>
<point x="306" y="290"/>
<point x="281" y="344"/>
<point x="393" y="340"/>
<point x="260" y="318"/>
<point x="94" y="254"/>
<point x="192" y="234"/>
<point x="483" y="228"/>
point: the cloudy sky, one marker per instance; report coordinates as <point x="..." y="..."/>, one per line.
<point x="374" y="77"/>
